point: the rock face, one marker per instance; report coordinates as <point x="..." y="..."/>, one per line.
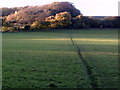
<point x="29" y="14"/>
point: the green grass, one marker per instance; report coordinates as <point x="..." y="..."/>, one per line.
<point x="29" y="62"/>
<point x="102" y="56"/>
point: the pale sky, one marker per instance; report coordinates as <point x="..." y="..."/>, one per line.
<point x="87" y="7"/>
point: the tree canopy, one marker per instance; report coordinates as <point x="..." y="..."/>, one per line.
<point x="54" y="15"/>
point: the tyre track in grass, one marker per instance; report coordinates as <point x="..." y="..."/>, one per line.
<point x="88" y="68"/>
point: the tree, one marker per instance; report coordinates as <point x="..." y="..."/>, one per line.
<point x="30" y="14"/>
<point x="62" y="19"/>
<point x="8" y="11"/>
<point x="77" y="22"/>
<point x="35" y="24"/>
<point x="40" y="25"/>
<point x="116" y="22"/>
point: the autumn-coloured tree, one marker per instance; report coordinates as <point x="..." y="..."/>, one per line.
<point x="40" y="25"/>
<point x="35" y="24"/>
<point x="62" y="19"/>
<point x="29" y="14"/>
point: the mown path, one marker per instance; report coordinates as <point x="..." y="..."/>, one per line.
<point x="88" y="68"/>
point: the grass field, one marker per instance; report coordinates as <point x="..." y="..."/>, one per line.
<point x="62" y="59"/>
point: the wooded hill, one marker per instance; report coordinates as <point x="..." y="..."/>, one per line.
<point x="39" y="13"/>
<point x="54" y="15"/>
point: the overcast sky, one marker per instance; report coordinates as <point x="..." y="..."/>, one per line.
<point x="87" y="7"/>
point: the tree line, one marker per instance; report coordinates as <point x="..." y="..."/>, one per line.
<point x="63" y="20"/>
<point x="52" y="16"/>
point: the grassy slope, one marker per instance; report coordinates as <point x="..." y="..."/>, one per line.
<point x="36" y="63"/>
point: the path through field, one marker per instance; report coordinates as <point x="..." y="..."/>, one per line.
<point x="85" y="63"/>
<point x="61" y="59"/>
<point x="94" y="80"/>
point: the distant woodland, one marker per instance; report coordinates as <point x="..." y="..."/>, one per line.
<point x="52" y="16"/>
